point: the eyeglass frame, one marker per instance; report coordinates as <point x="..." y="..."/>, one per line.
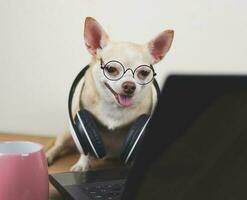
<point x="103" y="65"/>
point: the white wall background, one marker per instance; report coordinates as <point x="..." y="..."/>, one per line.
<point x="42" y="49"/>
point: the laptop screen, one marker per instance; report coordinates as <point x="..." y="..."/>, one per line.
<point x="195" y="143"/>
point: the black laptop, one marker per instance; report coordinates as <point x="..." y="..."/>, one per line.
<point x="195" y="147"/>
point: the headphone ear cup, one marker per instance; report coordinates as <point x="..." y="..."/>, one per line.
<point x="133" y="139"/>
<point x="90" y="138"/>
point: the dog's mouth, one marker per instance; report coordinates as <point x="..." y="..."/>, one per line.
<point x="123" y="100"/>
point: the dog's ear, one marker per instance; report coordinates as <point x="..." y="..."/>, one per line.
<point x="94" y="36"/>
<point x="160" y="45"/>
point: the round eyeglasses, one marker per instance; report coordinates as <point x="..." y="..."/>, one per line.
<point x="114" y="70"/>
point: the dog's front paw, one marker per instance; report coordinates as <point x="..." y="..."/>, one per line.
<point x="81" y="165"/>
<point x="50" y="156"/>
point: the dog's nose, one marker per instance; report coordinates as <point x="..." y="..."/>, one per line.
<point x="129" y="87"/>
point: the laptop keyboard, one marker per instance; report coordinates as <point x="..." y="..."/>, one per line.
<point x="111" y="190"/>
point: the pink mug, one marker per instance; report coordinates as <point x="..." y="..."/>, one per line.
<point x="23" y="171"/>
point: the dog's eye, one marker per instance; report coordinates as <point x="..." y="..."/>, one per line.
<point x="143" y="74"/>
<point x="112" y="70"/>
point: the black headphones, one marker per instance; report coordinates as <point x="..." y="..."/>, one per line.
<point x="86" y="135"/>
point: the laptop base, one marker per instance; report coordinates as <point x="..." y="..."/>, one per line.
<point x="100" y="184"/>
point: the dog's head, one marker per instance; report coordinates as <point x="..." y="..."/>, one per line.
<point x="123" y="71"/>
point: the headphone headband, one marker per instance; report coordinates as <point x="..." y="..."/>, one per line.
<point x="157" y="88"/>
<point x="73" y="88"/>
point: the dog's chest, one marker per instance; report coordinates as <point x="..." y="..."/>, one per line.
<point x="112" y="116"/>
<point x="113" y="139"/>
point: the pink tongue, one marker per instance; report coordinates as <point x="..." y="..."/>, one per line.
<point x="125" y="101"/>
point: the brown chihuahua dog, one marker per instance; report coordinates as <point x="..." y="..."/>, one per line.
<point x="117" y="94"/>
